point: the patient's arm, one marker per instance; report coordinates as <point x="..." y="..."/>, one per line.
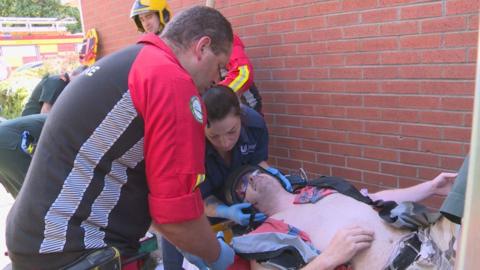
<point x="440" y="185"/>
<point x="345" y="244"/>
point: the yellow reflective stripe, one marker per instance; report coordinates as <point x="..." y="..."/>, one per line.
<point x="200" y="179"/>
<point x="40" y="41"/>
<point x="241" y="79"/>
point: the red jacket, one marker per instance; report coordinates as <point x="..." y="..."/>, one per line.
<point x="240" y="70"/>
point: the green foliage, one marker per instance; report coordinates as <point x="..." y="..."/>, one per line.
<point x="74" y="13"/>
<point x="40" y="8"/>
<point x="12" y="100"/>
<point x="15" y="90"/>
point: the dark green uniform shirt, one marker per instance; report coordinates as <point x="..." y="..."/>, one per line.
<point x="47" y="90"/>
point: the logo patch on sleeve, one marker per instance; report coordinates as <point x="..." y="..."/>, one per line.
<point x="196" y="108"/>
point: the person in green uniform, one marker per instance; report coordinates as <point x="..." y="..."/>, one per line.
<point x="47" y="91"/>
<point x="18" y="138"/>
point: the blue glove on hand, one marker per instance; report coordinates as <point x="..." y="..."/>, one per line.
<point x="234" y="212"/>
<point x="224" y="260"/>
<point x="227" y="255"/>
<point x="285" y="182"/>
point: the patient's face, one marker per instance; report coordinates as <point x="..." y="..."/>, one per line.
<point x="259" y="189"/>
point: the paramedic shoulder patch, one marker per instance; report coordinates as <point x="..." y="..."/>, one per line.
<point x="196" y="108"/>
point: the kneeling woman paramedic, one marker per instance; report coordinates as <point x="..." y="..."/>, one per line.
<point x="236" y="135"/>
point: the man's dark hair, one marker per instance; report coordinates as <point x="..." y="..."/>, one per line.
<point x="220" y="101"/>
<point x="196" y="22"/>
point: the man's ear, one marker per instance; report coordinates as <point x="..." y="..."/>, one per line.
<point x="201" y="47"/>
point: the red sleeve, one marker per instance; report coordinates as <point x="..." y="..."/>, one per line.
<point x="174" y="142"/>
<point x="240" y="70"/>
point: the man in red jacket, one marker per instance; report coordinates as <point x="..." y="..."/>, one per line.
<point x="106" y="165"/>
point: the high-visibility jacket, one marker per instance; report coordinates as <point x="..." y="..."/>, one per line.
<point x="240" y="69"/>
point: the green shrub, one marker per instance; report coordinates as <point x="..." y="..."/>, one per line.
<point x="15" y="90"/>
<point x="12" y="100"/>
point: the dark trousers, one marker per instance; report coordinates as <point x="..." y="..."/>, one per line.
<point x="172" y="258"/>
<point x="44" y="261"/>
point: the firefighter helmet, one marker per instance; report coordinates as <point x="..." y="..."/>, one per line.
<point x="144" y="6"/>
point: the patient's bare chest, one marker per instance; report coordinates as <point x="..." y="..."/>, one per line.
<point x="323" y="219"/>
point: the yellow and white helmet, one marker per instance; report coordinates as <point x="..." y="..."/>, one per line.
<point x="144" y="6"/>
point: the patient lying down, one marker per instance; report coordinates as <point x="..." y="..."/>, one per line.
<point x="345" y="230"/>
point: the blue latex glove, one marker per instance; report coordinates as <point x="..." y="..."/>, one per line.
<point x="227" y="255"/>
<point x="285" y="182"/>
<point x="234" y="212"/>
<point x="224" y="260"/>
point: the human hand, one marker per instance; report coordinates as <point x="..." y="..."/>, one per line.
<point x="224" y="260"/>
<point x="234" y="212"/>
<point x="226" y="257"/>
<point x="346" y="243"/>
<point x="442" y="184"/>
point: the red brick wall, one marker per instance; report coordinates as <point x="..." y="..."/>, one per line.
<point x="112" y="21"/>
<point x="377" y="91"/>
